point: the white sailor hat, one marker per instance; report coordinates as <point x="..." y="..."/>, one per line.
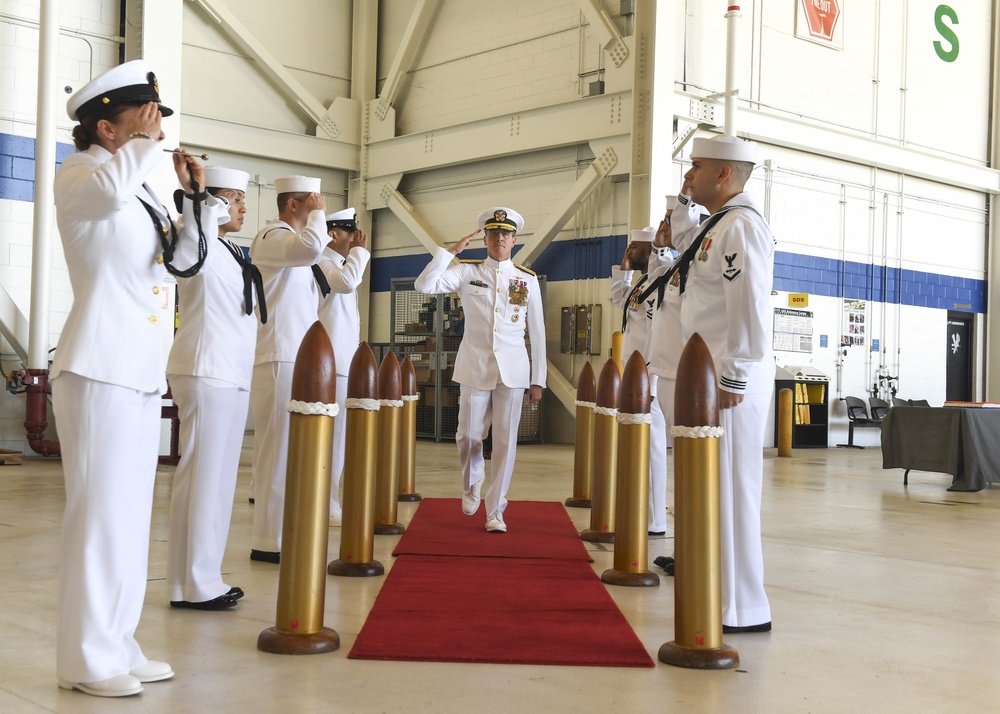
<point x="725" y="148"/>
<point x="500" y="217"/>
<point x="131" y="83"/>
<point x="643" y="235"/>
<point x="346" y="219"/>
<point x="221" y="177"/>
<point x="297" y="184"/>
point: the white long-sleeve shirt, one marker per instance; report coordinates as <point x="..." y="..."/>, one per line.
<point x="499" y="299"/>
<point x="338" y="311"/>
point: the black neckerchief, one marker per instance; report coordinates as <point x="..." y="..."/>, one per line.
<point x="683" y="264"/>
<point x="252" y="280"/>
<point x="628" y="301"/>
<point x="169" y="246"/>
<point x="321" y="281"/>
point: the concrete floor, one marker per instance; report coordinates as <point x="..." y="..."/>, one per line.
<point x="884" y="599"/>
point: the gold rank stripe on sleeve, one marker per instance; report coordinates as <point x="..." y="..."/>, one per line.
<point x="529" y="271"/>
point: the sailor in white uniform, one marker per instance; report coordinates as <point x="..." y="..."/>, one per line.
<point x="343" y="263"/>
<point x="285" y="251"/>
<point x="637" y="319"/>
<point x="209" y="373"/>
<point x="677" y="229"/>
<point x="727" y="299"/>
<point x="108" y="372"/>
<point x="500" y="300"/>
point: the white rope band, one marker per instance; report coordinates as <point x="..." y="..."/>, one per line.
<point x="606" y="411"/>
<point x="411" y="397"/>
<point x="391" y="402"/>
<point x="588" y="405"/>
<point x="313" y="408"/>
<point x="366" y="404"/>
<point x="634" y="418"/>
<point x="697" y="432"/>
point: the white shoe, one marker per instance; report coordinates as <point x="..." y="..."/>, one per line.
<point x="122" y="685"/>
<point x="471" y="499"/>
<point x="495" y="524"/>
<point x="153" y="671"/>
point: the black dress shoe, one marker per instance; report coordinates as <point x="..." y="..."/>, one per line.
<point x="656" y="533"/>
<point x="733" y="630"/>
<point x="235" y="593"/>
<point x="223" y="602"/>
<point x="666" y="562"/>
<point x="251" y="500"/>
<point x="265" y="556"/>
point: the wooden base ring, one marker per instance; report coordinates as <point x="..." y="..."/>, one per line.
<point x="646" y="579"/>
<point x="355" y="570"/>
<point x="592" y="536"/>
<point x="572" y="502"/>
<point x="724" y="657"/>
<point x="389" y="529"/>
<point x="409" y="497"/>
<point x="270" y="640"/>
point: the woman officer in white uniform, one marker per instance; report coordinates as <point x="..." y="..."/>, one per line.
<point x="209" y="372"/>
<point x="108" y="373"/>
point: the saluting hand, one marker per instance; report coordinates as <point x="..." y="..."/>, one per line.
<point x="359" y="239"/>
<point x="664" y="235"/>
<point x="462" y="242"/>
<point x="626" y="260"/>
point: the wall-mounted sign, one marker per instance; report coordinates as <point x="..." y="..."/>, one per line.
<point x="792" y="330"/>
<point x="854" y="323"/>
<point x="798" y="299"/>
<point x="818" y="20"/>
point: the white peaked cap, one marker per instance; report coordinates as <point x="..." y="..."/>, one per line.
<point x="501" y="217"/>
<point x="132" y="83"/>
<point x="643" y="235"/>
<point x="221" y="177"/>
<point x="297" y="184"/>
<point x="725" y="148"/>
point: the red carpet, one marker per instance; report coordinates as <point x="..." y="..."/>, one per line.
<point x="516" y="605"/>
<point x="537" y="530"/>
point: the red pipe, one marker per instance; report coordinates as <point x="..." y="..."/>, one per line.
<point x="36" y="386"/>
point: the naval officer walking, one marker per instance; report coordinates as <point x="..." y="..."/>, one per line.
<point x="501" y="300"/>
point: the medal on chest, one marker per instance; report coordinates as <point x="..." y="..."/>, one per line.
<point x="517" y="292"/>
<point x="703" y="254"/>
<point x="633" y="298"/>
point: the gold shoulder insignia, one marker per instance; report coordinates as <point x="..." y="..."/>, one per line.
<point x="529" y="271"/>
<point x="471" y="262"/>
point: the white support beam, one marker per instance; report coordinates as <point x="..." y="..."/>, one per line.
<point x="561" y="388"/>
<point x="14" y="326"/>
<point x="567" y="207"/>
<point x="326" y="121"/>
<point x="413" y="39"/>
<point x="605" y="30"/>
<point x="254" y="141"/>
<point x="640" y="166"/>
<point x="580" y="122"/>
<point x="402" y="209"/>
<point x="812" y="138"/>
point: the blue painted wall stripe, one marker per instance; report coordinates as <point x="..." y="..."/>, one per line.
<point x="589" y="258"/>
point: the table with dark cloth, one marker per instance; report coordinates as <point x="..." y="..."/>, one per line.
<point x="962" y="442"/>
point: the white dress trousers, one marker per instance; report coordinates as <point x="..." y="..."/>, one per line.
<point x="271" y="390"/>
<point x="213" y="418"/>
<point x="109" y="436"/>
<point x="477" y="409"/>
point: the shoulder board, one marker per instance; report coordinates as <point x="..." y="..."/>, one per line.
<point x="529" y="271"/>
<point x="470" y="262"/>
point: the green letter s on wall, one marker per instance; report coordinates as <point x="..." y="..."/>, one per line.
<point x="943" y="11"/>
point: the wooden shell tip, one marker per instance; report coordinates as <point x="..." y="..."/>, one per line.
<point x="586" y="387"/>
<point x="362" y="379"/>
<point x="696" y="399"/>
<point x="389" y="385"/>
<point x="608" y="386"/>
<point x="314" y="378"/>
<point x="633" y="397"/>
<point x="408" y="377"/>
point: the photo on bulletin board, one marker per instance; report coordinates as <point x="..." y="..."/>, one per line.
<point x="854" y="323"/>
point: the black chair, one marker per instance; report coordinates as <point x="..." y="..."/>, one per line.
<point x="857" y="416"/>
<point x="897" y="402"/>
<point x="919" y="403"/>
<point x="878" y="407"/>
